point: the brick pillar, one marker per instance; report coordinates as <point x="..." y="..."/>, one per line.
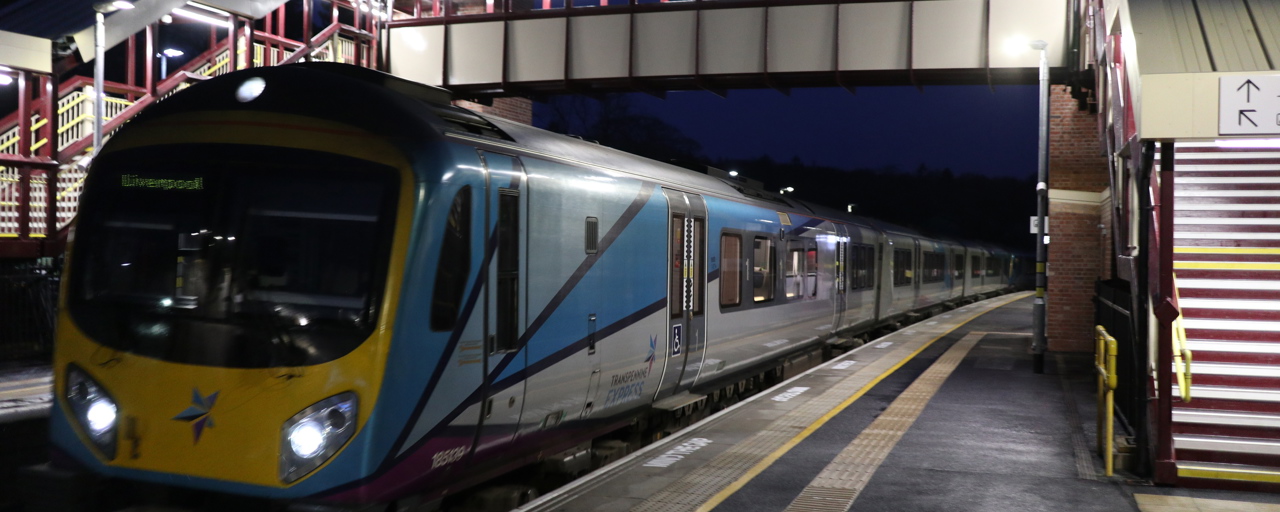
<point x="1079" y="248"/>
<point x="519" y="110"/>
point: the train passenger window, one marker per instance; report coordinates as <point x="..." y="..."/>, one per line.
<point x="993" y="263"/>
<point x="762" y="269"/>
<point x="795" y="269"/>
<point x="811" y="270"/>
<point x="934" y="263"/>
<point x="508" y="253"/>
<point x="455" y="263"/>
<point x="957" y="266"/>
<point x="975" y="266"/>
<point x="730" y="270"/>
<point x="902" y="267"/>
<point x="867" y="266"/>
<point x="675" y="296"/>
<point x="861" y="265"/>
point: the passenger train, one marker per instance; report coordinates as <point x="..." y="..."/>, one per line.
<point x="320" y="284"/>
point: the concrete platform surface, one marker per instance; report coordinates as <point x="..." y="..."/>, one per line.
<point x="944" y="415"/>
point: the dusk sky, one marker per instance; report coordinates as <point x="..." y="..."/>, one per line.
<point x="970" y="129"/>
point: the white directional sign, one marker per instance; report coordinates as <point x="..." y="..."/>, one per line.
<point x="1249" y="105"/>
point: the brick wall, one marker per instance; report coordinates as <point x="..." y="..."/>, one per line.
<point x="1076" y="158"/>
<point x="1079" y="250"/>
<point x="519" y="110"/>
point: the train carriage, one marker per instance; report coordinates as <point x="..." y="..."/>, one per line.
<point x="279" y="297"/>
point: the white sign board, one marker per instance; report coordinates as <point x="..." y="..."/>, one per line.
<point x="1249" y="105"/>
<point x="1035" y="225"/>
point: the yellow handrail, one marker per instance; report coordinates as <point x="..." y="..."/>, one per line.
<point x="1181" y="354"/>
<point x="1105" y="364"/>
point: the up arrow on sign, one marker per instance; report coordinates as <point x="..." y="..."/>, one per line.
<point x="1249" y="105"/>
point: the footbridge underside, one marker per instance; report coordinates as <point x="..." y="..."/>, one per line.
<point x="717" y="45"/>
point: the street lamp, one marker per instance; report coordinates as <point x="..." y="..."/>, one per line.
<point x="164" y="60"/>
<point x="788" y="189"/>
<point x="101" y="9"/>
<point x="5" y="79"/>
<point x="1039" y="342"/>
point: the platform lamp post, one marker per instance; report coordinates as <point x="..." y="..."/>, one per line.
<point x="1039" y="321"/>
<point x="101" y="9"/>
<point x="164" y="60"/>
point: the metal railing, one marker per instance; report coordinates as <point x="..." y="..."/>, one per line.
<point x="1105" y="364"/>
<point x="29" y="291"/>
<point x="1181" y="354"/>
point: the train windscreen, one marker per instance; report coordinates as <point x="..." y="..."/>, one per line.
<point x="242" y="257"/>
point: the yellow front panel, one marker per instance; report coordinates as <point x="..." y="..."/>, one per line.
<point x="241" y="434"/>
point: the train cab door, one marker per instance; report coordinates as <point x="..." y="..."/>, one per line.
<point x="506" y="201"/>
<point x="686" y="291"/>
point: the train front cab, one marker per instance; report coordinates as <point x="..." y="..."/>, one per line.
<point x="229" y="294"/>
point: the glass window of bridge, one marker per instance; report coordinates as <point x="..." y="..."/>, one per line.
<point x="537" y="5"/>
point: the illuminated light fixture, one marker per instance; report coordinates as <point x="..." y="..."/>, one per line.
<point x="733" y="173"/>
<point x="1016" y="45"/>
<point x="787" y="189"/>
<point x="204" y="7"/>
<point x="364" y="7"/>
<point x="250" y="89"/>
<point x="5" y="79"/>
<point x="166" y="19"/>
<point x="172" y="52"/>
<point x="1247" y="143"/>
<point x="195" y="16"/>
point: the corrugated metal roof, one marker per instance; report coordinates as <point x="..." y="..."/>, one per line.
<point x="50" y="19"/>
<point x="1204" y="36"/>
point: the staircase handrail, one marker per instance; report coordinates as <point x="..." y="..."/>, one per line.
<point x="1181" y="354"/>
<point x="1104" y="364"/>
<point x="317" y="41"/>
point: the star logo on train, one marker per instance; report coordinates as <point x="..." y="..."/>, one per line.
<point x="653" y="347"/>
<point x="199" y="414"/>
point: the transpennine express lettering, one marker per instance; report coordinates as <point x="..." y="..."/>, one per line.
<point x="135" y="181"/>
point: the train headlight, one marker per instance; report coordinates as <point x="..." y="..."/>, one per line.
<point x="94" y="409"/>
<point x="312" y="436"/>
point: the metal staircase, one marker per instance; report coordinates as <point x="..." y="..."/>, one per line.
<point x="1227" y="265"/>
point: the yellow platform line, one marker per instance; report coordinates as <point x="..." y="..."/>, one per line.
<point x="839" y="484"/>
<point x="1225" y="265"/>
<point x="813" y="427"/>
<point x="1241" y="474"/>
<point x="1226" y="250"/>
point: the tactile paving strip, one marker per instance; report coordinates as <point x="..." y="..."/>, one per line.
<point x="722" y="474"/>
<point x="838" y="485"/>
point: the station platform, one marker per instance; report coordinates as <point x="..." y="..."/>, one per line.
<point x="26" y="391"/>
<point x="945" y="415"/>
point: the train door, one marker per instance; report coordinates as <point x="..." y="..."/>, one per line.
<point x="686" y="291"/>
<point x="506" y="201"/>
<point x="841" y="283"/>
